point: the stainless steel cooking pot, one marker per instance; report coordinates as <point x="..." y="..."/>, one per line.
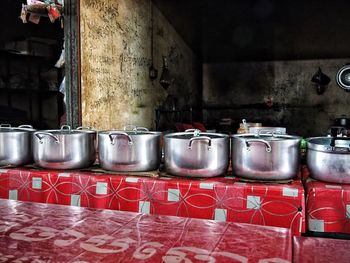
<point x="16" y="145"/>
<point x="265" y="157"/>
<point x="138" y="150"/>
<point x="328" y="159"/>
<point x="65" y="148"/>
<point x="196" y="154"/>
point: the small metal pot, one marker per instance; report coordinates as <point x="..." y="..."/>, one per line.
<point x="265" y="157"/>
<point x="328" y="159"/>
<point x="196" y="154"/>
<point x="64" y="148"/>
<point x="138" y="150"/>
<point x="16" y="145"/>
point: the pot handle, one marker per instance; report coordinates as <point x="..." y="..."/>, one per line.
<point x="134" y="128"/>
<point x="118" y="133"/>
<point x="339" y="149"/>
<point x="196" y="132"/>
<point x="5" y="125"/>
<point x="268" y="132"/>
<point x="26" y="126"/>
<point x="199" y="138"/>
<point x="83" y="128"/>
<point x="42" y="135"/>
<point x="248" y="142"/>
<point x="65" y="127"/>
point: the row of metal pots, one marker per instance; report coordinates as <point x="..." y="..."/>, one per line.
<point x="193" y="153"/>
<point x="66" y="148"/>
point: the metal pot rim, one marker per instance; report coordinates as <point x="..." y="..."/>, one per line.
<point x="15" y="130"/>
<point x="131" y="133"/>
<point x="279" y="137"/>
<point x="322" y="147"/>
<point x="66" y="132"/>
<point x="180" y="135"/>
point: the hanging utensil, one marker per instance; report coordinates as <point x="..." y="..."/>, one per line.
<point x="321" y="80"/>
<point x="165" y="78"/>
<point x="153" y="72"/>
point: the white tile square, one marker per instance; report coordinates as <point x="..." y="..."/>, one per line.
<point x="329" y="186"/>
<point x="64" y="174"/>
<point x="347" y="211"/>
<point x="131" y="179"/>
<point x="173" y="195"/>
<point x="206" y="186"/>
<point x="316" y="225"/>
<point x="101" y="188"/>
<point x="13" y="194"/>
<point x="220" y="215"/>
<point x="292" y="192"/>
<point x="37" y="182"/>
<point x="144" y="207"/>
<point x="75" y="200"/>
<point x="253" y="202"/>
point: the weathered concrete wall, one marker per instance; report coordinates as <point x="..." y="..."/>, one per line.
<point x="241" y="90"/>
<point x="115" y="57"/>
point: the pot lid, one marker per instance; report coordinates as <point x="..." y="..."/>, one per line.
<point x="343" y="77"/>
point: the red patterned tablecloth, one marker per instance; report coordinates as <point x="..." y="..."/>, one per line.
<point x="328" y="207"/>
<point x="222" y="199"/>
<point x="32" y="232"/>
<point x="320" y="250"/>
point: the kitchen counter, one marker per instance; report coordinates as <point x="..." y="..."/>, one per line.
<point x="220" y="198"/>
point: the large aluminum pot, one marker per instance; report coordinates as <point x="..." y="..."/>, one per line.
<point x="196" y="154"/>
<point x="328" y="159"/>
<point x="16" y="145"/>
<point x="64" y="148"/>
<point x="138" y="150"/>
<point x="265" y="157"/>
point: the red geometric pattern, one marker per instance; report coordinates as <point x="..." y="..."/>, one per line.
<point x="221" y="199"/>
<point x="328" y="207"/>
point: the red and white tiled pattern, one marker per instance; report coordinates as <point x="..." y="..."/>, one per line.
<point x="221" y="199"/>
<point x="328" y="207"/>
<point x="32" y="232"/>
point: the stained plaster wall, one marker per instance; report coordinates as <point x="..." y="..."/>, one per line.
<point x="115" y="57"/>
<point x="242" y="90"/>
